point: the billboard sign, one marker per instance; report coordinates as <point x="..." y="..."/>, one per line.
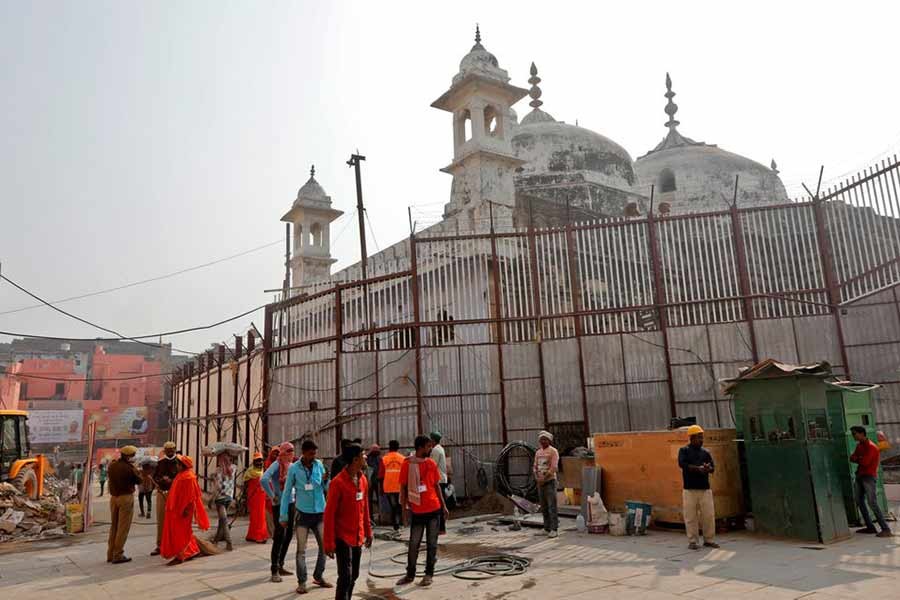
<point x="55" y="426"/>
<point x="127" y="422"/>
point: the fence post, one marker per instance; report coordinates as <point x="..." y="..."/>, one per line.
<point x="660" y="301"/>
<point x="575" y="284"/>
<point x="206" y="419"/>
<point x="831" y="284"/>
<point x="417" y="332"/>
<point x="539" y="327"/>
<point x="236" y="377"/>
<point x="498" y="324"/>
<point x="737" y="232"/>
<point x="251" y="345"/>
<point x="338" y="352"/>
<point x="219" y="392"/>
<point x="200" y="368"/>
<point x="266" y="372"/>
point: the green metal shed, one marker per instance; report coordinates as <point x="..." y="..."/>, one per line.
<point x="795" y="477"/>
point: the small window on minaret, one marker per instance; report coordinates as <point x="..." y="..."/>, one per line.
<point x="467" y="123"/>
<point x="666" y="181"/>
<point x="491" y="121"/>
<point x="315" y="235"/>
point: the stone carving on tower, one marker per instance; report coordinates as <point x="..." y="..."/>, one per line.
<point x="311" y="216"/>
<point x="480" y="99"/>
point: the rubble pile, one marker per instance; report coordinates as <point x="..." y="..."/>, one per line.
<point x="22" y="518"/>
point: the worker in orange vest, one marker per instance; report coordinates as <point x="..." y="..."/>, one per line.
<point x="389" y="473"/>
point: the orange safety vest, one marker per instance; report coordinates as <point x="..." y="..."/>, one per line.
<point x="393" y="461"/>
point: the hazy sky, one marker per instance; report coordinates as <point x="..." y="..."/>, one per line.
<point x="140" y="138"/>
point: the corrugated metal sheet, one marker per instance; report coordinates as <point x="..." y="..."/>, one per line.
<point x="608" y="409"/>
<point x="649" y="406"/>
<point x="688" y="345"/>
<point x="694" y="383"/>
<point x="871" y="324"/>
<point x="482" y="419"/>
<point x="875" y="363"/>
<point x="645" y="358"/>
<point x="563" y="381"/>
<point x="730" y="342"/>
<point x="523" y="404"/>
<point x="817" y="340"/>
<point x="610" y="367"/>
<point x="775" y="339"/>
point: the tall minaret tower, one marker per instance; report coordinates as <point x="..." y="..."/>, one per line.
<point x="311" y="216"/>
<point x="480" y="98"/>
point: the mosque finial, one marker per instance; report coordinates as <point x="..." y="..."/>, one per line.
<point x="671" y="107"/>
<point x="774" y="166"/>
<point x="312" y="171"/>
<point x="535" y="91"/>
<point x="477" y="34"/>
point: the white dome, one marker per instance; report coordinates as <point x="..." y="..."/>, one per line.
<point x="312" y="193"/>
<point x="550" y="147"/>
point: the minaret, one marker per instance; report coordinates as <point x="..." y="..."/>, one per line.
<point x="311" y="216"/>
<point x="480" y="98"/>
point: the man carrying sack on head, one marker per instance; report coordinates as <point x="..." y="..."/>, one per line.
<point x="123" y="477"/>
<point x="166" y="470"/>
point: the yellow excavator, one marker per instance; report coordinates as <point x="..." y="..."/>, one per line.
<point x="25" y="472"/>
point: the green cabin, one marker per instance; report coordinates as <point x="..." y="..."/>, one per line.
<point x="795" y="463"/>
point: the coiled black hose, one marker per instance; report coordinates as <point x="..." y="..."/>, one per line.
<point x="524" y="454"/>
<point x="472" y="569"/>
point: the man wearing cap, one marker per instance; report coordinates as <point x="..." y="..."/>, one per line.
<point x="699" y="510"/>
<point x="440" y="457"/>
<point x="166" y="470"/>
<point x="123" y="477"/>
<point x="546" y="466"/>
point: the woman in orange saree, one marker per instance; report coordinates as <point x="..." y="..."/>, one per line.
<point x="183" y="506"/>
<point x="256" y="501"/>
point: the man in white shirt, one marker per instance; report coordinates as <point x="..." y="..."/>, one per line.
<point x="440" y="457"/>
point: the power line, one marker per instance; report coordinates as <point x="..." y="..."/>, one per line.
<point x="120" y="337"/>
<point x="145" y="281"/>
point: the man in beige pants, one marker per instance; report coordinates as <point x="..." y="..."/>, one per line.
<point x="699" y="510"/>
<point x="123" y="478"/>
<point x="166" y="470"/>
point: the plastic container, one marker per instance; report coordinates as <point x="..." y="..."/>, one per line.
<point x="638" y="517"/>
<point x="617" y="524"/>
<point x="580" y="524"/>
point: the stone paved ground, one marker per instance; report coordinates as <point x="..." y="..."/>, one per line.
<point x="656" y="567"/>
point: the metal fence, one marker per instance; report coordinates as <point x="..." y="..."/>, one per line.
<point x="609" y="325"/>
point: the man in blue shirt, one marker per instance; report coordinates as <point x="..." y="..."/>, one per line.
<point x="306" y="483"/>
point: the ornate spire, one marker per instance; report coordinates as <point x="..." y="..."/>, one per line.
<point x="774" y="166"/>
<point x="477" y="34"/>
<point x="535" y="91"/>
<point x="536" y="115"/>
<point x="671" y="107"/>
<point x="312" y="171"/>
<point x="673" y="139"/>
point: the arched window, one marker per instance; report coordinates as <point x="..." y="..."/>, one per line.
<point x="666" y="181"/>
<point x="491" y="121"/>
<point x="298" y="236"/>
<point x="315" y="235"/>
<point x="467" y="125"/>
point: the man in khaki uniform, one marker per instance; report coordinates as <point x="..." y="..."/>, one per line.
<point x="123" y="477"/>
<point x="166" y="470"/>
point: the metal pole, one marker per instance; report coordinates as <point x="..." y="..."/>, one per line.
<point x="251" y="345"/>
<point x="659" y="300"/>
<point x="197" y="422"/>
<point x="236" y="374"/>
<point x="354" y="161"/>
<point x="737" y="232"/>
<point x="827" y="254"/>
<point x="338" y="351"/>
<point x="575" y="284"/>
<point x="417" y="318"/>
<point x="219" y="393"/>
<point x="206" y="418"/>
<point x="536" y="294"/>
<point x="266" y="374"/>
<point x="498" y="325"/>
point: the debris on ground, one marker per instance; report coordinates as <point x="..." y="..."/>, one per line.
<point x="22" y="518"/>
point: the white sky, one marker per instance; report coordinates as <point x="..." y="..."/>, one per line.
<point x="143" y="138"/>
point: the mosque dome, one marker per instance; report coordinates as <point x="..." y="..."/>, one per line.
<point x="311" y="192"/>
<point x="697" y="177"/>
<point x="551" y="147"/>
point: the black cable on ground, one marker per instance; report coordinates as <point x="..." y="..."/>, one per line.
<point x="502" y="475"/>
<point x="472" y="569"/>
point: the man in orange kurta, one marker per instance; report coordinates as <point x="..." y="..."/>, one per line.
<point x="183" y="506"/>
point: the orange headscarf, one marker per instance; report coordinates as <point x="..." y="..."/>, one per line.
<point x="184" y="505"/>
